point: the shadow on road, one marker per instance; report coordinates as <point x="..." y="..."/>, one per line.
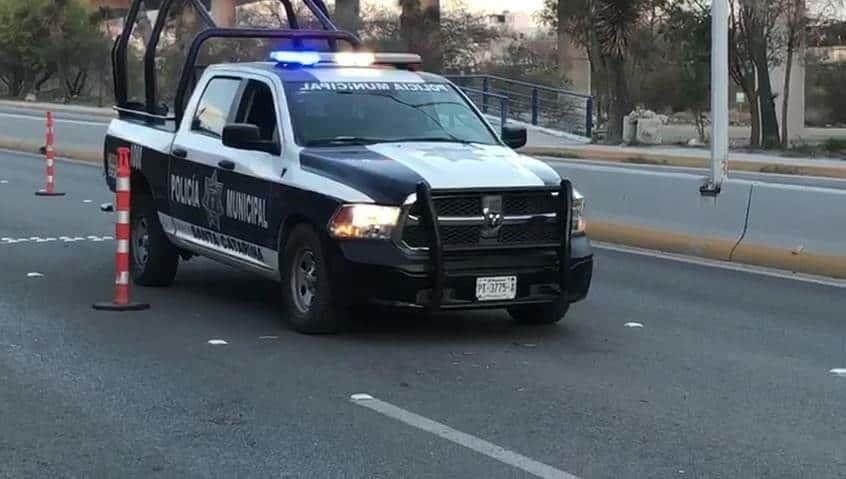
<point x="258" y="301"/>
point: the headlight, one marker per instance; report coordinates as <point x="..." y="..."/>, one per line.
<point x="364" y="222"/>
<point x="578" y="226"/>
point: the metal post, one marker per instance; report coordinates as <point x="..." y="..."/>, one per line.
<point x="589" y="118"/>
<point x="719" y="97"/>
<point x="503" y="111"/>
<point x="486" y="88"/>
<point x="535" y="106"/>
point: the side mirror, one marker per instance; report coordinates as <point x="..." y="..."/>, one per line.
<point x="245" y="136"/>
<point x="514" y="136"/>
<point x="241" y="136"/>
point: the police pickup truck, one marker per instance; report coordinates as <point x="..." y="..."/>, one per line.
<point x="352" y="178"/>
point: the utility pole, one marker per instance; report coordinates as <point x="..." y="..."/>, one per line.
<point x="719" y="97"/>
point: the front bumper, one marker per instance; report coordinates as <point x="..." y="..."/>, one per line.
<point x="381" y="273"/>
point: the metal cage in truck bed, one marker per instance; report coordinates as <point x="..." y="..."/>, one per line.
<point x="151" y="111"/>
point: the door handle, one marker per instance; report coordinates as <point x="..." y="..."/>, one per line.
<point x="226" y="164"/>
<point x="180" y="153"/>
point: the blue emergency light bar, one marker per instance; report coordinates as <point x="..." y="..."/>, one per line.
<point x="344" y="59"/>
<point x="285" y="57"/>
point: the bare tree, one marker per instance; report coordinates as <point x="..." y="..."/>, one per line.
<point x="420" y="29"/>
<point x="753" y="50"/>
<point x="795" y="21"/>
<point x="348" y="14"/>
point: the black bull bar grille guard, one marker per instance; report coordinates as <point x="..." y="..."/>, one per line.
<point x="439" y="274"/>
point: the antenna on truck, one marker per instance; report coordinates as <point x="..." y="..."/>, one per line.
<point x="149" y="110"/>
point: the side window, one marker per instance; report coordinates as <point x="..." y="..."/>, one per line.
<point x="258" y="108"/>
<point x="215" y="106"/>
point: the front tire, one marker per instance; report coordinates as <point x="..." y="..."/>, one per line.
<point x="539" y="313"/>
<point x="153" y="258"/>
<point x="309" y="303"/>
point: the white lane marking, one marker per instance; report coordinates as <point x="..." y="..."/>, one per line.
<point x="712" y="263"/>
<point x="268" y="337"/>
<point x="87" y="201"/>
<point x="34" y="275"/>
<point x="633" y="325"/>
<point x="58" y="120"/>
<point x="4" y="182"/>
<point x="65" y="239"/>
<point x="474" y="443"/>
<point x="217" y="342"/>
<point x="839" y="372"/>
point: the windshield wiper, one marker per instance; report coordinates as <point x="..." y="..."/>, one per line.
<point x="345" y="140"/>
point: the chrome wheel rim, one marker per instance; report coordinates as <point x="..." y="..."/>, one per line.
<point x="141" y="242"/>
<point x="304" y="280"/>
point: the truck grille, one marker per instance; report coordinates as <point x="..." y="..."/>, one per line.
<point x="530" y="219"/>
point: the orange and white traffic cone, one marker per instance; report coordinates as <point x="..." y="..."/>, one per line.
<point x="50" y="153"/>
<point x="122" y="301"/>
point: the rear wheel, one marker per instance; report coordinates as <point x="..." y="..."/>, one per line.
<point x="539" y="313"/>
<point x="309" y="303"/>
<point x="154" y="259"/>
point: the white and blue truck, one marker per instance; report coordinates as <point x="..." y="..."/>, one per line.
<point x="350" y="177"/>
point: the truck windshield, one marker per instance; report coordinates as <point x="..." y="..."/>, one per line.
<point x="334" y="113"/>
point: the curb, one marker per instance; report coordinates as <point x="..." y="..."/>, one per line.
<point x="718" y="249"/>
<point x="59" y="108"/>
<point x="650" y="158"/>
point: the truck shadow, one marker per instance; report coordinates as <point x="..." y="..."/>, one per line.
<point x="258" y="302"/>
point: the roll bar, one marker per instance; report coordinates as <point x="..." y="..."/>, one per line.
<point x="150" y="110"/>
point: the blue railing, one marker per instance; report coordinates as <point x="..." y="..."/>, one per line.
<point x="491" y="104"/>
<point x="532" y="103"/>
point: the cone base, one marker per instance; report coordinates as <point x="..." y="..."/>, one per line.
<point x="120" y="307"/>
<point x="45" y="193"/>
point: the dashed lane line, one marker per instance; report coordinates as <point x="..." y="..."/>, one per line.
<point x="52" y="239"/>
<point x="463" y="439"/>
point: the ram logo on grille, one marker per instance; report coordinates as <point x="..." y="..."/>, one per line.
<point x="493" y="218"/>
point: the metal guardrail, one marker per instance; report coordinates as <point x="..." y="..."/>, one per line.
<point x="532" y="103"/>
<point x="483" y="99"/>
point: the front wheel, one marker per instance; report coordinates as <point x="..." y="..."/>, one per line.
<point x="309" y="304"/>
<point x="153" y="257"/>
<point x="539" y="313"/>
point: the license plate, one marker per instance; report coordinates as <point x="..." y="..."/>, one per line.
<point x="497" y="288"/>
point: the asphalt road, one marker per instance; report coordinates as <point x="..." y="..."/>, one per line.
<point x="729" y="376"/>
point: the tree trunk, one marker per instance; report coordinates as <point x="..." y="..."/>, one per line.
<point x="755" y="118"/>
<point x="620" y="103"/>
<point x="794" y="27"/>
<point x="766" y="100"/>
<point x="348" y="14"/>
<point x="420" y="28"/>
<point x="785" y="107"/>
<point x="769" y="120"/>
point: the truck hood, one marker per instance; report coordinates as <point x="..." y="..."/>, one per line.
<point x="389" y="172"/>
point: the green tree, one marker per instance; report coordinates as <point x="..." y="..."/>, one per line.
<point x="463" y="38"/>
<point x="46" y="38"/>
<point x="22" y="34"/>
<point x="688" y="30"/>
<point x="620" y="37"/>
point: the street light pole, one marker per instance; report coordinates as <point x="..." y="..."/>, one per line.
<point x="719" y="97"/>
